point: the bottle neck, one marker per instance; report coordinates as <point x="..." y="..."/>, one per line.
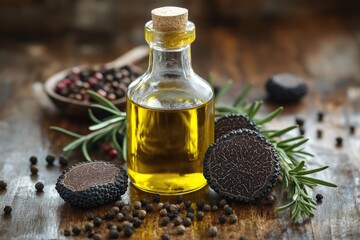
<point x="170" y="61"/>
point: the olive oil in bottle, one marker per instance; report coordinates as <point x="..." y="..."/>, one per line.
<point x="170" y="111"/>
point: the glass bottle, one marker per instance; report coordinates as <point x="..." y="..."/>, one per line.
<point x="170" y="115"/>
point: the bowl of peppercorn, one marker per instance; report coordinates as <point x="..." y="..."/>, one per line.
<point x="68" y="89"/>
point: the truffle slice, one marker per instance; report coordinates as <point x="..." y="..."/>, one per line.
<point x="286" y="88"/>
<point x="233" y="122"/>
<point x="241" y="165"/>
<point x="92" y="184"/>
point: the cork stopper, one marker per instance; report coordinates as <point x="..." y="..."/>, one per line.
<point x="169" y="18"/>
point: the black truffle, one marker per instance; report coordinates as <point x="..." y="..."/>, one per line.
<point x="233" y="122"/>
<point x="92" y="184"/>
<point x="286" y="88"/>
<point x="241" y="165"/>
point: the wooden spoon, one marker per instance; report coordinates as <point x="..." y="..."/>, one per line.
<point x="79" y="109"/>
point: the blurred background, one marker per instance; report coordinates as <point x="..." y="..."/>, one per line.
<point x="241" y="40"/>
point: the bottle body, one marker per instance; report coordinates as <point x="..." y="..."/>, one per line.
<point x="170" y="124"/>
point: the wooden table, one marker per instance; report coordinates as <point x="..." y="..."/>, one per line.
<point x="324" y="50"/>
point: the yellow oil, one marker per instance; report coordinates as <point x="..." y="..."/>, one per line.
<point x="166" y="147"/>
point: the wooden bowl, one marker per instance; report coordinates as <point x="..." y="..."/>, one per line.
<point x="79" y="109"/>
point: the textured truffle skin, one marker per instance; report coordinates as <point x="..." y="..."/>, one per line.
<point x="286" y="88"/>
<point x="94" y="196"/>
<point x="232" y="122"/>
<point x="250" y="169"/>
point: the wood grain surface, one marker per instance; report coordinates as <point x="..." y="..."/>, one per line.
<point x="325" y="51"/>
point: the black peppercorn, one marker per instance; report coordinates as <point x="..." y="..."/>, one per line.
<point x="173" y="208"/>
<point x="144" y="202"/>
<point x="299" y="121"/>
<point x="222" y="203"/>
<point x="3" y="184"/>
<point x="63" y="161"/>
<point x="171" y="215"/>
<point x="191" y="210"/>
<point x="137" y="204"/>
<point x="269" y="200"/>
<point x="128" y="232"/>
<point x="7" y="209"/>
<point x="190" y="215"/>
<point x="120" y="217"/>
<point x="90" y="216"/>
<point x="156" y="198"/>
<point x="137" y="222"/>
<point x="120" y="204"/>
<point x="228" y="210"/>
<point x="233" y="218"/>
<point x="76" y="230"/>
<point x="160" y="206"/>
<point x="97" y="221"/>
<point x="119" y="228"/>
<point x="165" y="221"/>
<point x="222" y="219"/>
<point x="206" y="208"/>
<point x="113" y="234"/>
<point x="142" y="214"/>
<point x="187" y="204"/>
<point x="39" y="186"/>
<point x="352" y="130"/>
<point x="97" y="236"/>
<point x="177" y="221"/>
<point x="187" y="222"/>
<point x="167" y="206"/>
<point x="50" y="159"/>
<point x="34" y="170"/>
<point x="199" y="205"/>
<point x="200" y="215"/>
<point x="88" y="227"/>
<point x="319" y="133"/>
<point x="33" y="160"/>
<point x="320" y="116"/>
<point x="212" y="231"/>
<point x="179" y="199"/>
<point x="339" y="142"/>
<point x="125" y="209"/>
<point x="214" y="208"/>
<point x="319" y="197"/>
<point x="109" y="225"/>
<point x="243" y="238"/>
<point x="110" y="214"/>
<point x="135" y="213"/>
<point x="165" y="236"/>
<point x="115" y="209"/>
<point x="163" y="212"/>
<point x="302" y="130"/>
<point x="67" y="232"/>
<point x="180" y="229"/>
<point x="129" y="218"/>
<point x="149" y="207"/>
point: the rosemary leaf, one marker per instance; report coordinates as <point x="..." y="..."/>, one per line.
<point x="85" y="151"/>
<point x="67" y="132"/>
<point x="103" y="101"/>
<point x="239" y="101"/>
<point x="224" y="89"/>
<point x="306" y="172"/>
<point x="92" y="116"/>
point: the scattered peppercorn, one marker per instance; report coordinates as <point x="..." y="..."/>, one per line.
<point x="179" y="199"/>
<point x="214" y="208"/>
<point x="120" y="217"/>
<point x="125" y="209"/>
<point x="149" y="207"/>
<point x="190" y="215"/>
<point x="113" y="234"/>
<point x="191" y="210"/>
<point x="90" y="216"/>
<point x="269" y="200"/>
<point x="90" y="234"/>
<point x="109" y="225"/>
<point x="115" y="209"/>
<point x="299" y="121"/>
<point x="144" y="202"/>
<point x="187" y="204"/>
<point x="163" y="212"/>
<point x="137" y="222"/>
<point x="233" y="218"/>
<point x="171" y="215"/>
<point x="129" y="218"/>
<point x="165" y="221"/>
<point x="127" y="224"/>
<point x="3" y="184"/>
<point x="180" y="229"/>
<point x="212" y="231"/>
<point x="339" y="141"/>
<point x="352" y="130"/>
<point x="302" y="130"/>
<point x="110" y="214"/>
<point x="177" y="221"/>
<point x="319" y="197"/>
<point x="200" y="215"/>
<point x="243" y="238"/>
<point x="165" y="236"/>
<point x="113" y="153"/>
<point x="160" y="206"/>
<point x="97" y="221"/>
<point x="319" y="133"/>
<point x="228" y="210"/>
<point x="33" y="160"/>
<point x="137" y="204"/>
<point x="50" y="159"/>
<point x="222" y="203"/>
<point x="67" y="232"/>
<point x="320" y="116"/>
<point x="120" y="204"/>
<point x="76" y="230"/>
<point x="128" y="232"/>
<point x="222" y="219"/>
<point x="206" y="208"/>
<point x="119" y="228"/>
<point x="142" y="214"/>
<point x="34" y="170"/>
<point x="156" y="198"/>
<point x="199" y="205"/>
<point x="167" y="206"/>
<point x="39" y="186"/>
<point x="89" y="227"/>
<point x="187" y="222"/>
<point x="63" y="161"/>
<point x="173" y="208"/>
<point x="97" y="236"/>
<point x="7" y="209"/>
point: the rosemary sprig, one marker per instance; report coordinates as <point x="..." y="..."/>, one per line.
<point x="290" y="150"/>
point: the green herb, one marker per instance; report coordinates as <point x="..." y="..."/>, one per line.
<point x="290" y="149"/>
